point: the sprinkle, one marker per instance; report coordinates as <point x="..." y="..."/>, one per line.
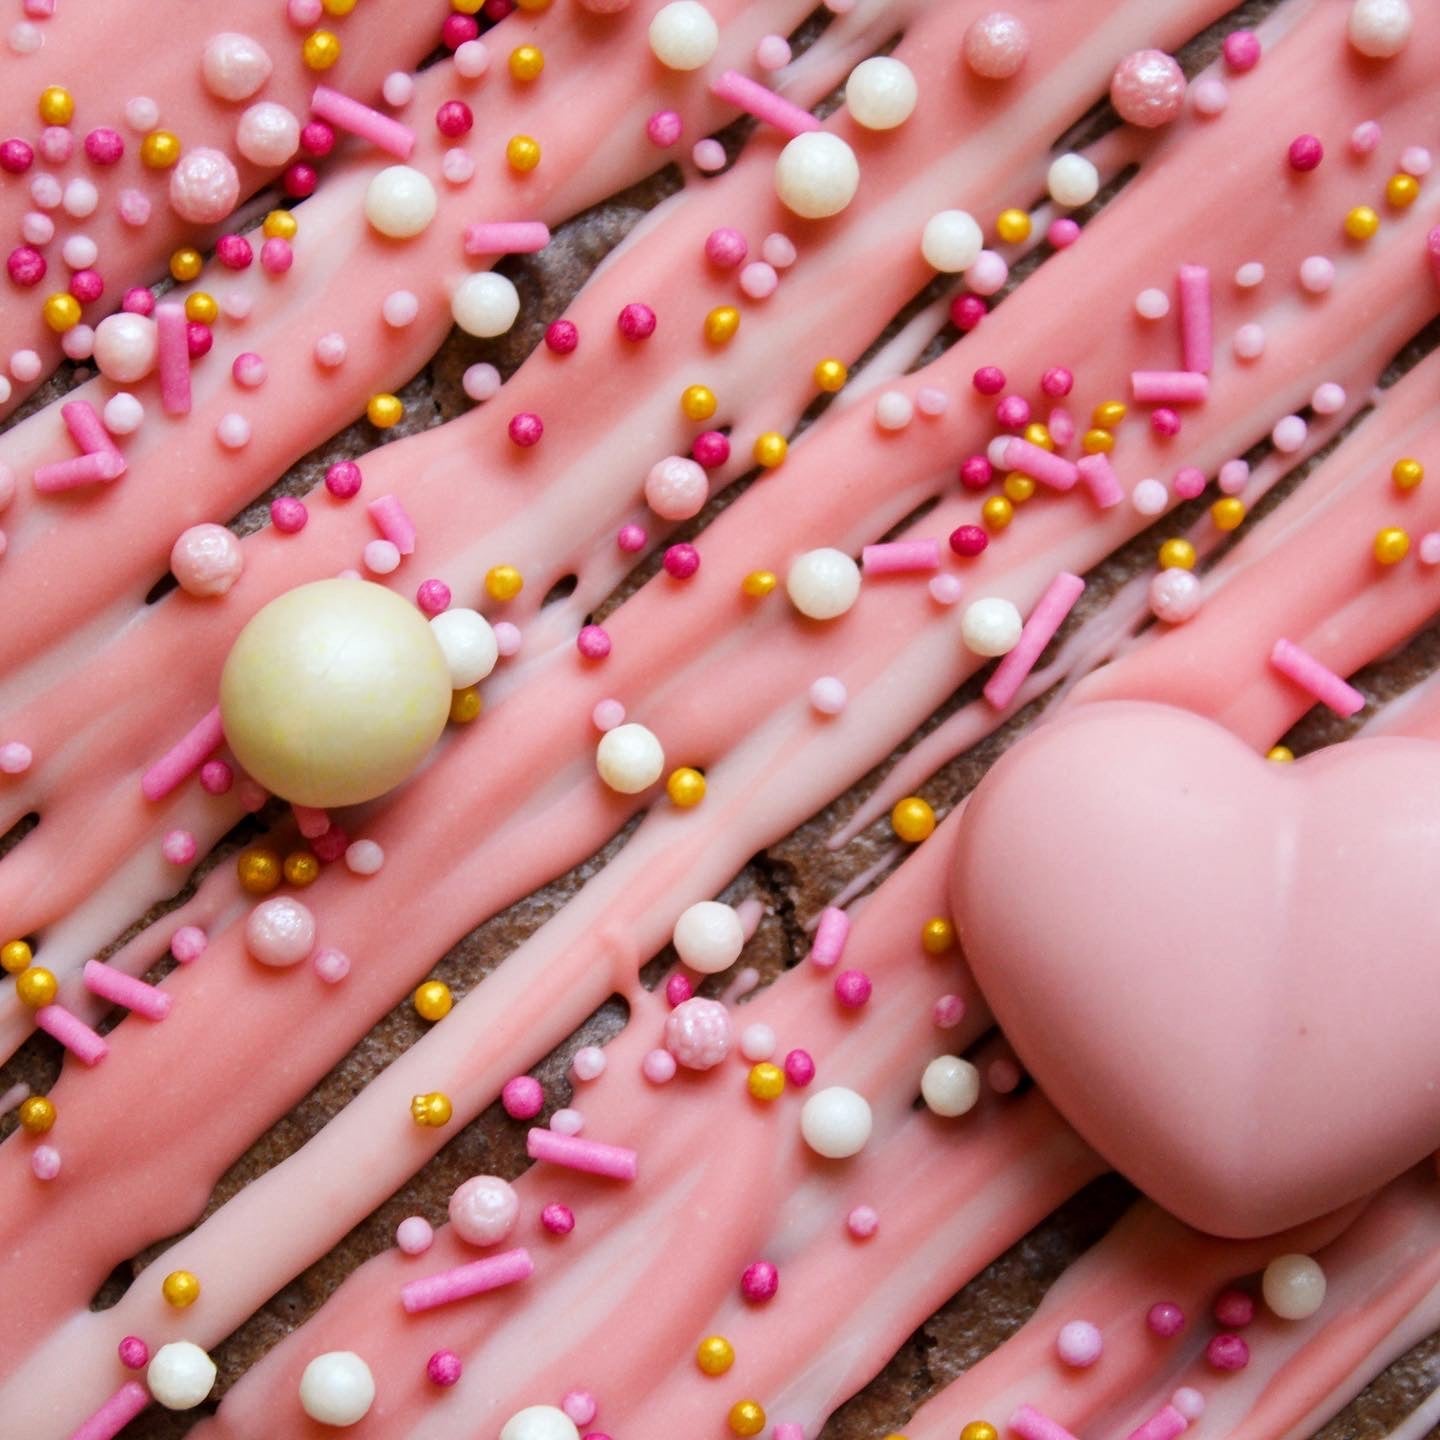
<point x="1305" y="153"/>
<point x="1029" y="1424"/>
<point x="312" y="822"/>
<point x="174" y="359"/>
<point x="1196" y="319"/>
<point x="1046" y="618"/>
<point x="947" y="1012"/>
<point x="45" y="1162"/>
<point x="590" y="1156"/>
<point x="347" y="114"/>
<point x="753" y="98"/>
<point x="186" y="757"/>
<point x="86" y="429"/>
<point x="73" y="1033"/>
<point x="1079" y="1344"/>
<point x="1169" y="387"/>
<point x="853" y="989"/>
<point x="901" y="557"/>
<point x="1100" y="479"/>
<point x="134" y="1353"/>
<point x="664" y="128"/>
<point x="121" y="989"/>
<point x="466" y="1280"/>
<point x="709" y="155"/>
<point x="1319" y="680"/>
<point x="393" y="523"/>
<point x="115" y="1414"/>
<point x="862" y="1222"/>
<point x="830" y="936"/>
<point x="1432" y="249"/>
<point x="1049" y="469"/>
<point x="1165" y="1424"/>
<point x="506" y="237"/>
<point x="99" y="467"/>
<point x="15" y="758"/>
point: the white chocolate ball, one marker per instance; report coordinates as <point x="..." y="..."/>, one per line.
<point x="126" y="346"/>
<point x="539" y="1422"/>
<point x="268" y="134"/>
<point x="1072" y="181"/>
<point x="951" y="241"/>
<point x="180" y="1375"/>
<point x="684" y="35"/>
<point x="337" y="1388"/>
<point x="1293" y="1287"/>
<point x="816" y="175"/>
<point x="823" y="584"/>
<point x="234" y="66"/>
<point x="709" y="936"/>
<point x="836" y="1122"/>
<point x="400" y="202"/>
<point x="991" y="627"/>
<point x="334" y="693"/>
<point x="467" y="640"/>
<point x="485" y="304"/>
<point x="1380" y="29"/>
<point x="629" y="758"/>
<point x="881" y="93"/>
<point x="950" y="1086"/>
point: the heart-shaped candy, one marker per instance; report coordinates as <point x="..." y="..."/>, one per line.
<point x="1224" y="972"/>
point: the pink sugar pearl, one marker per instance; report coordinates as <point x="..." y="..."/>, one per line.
<point x="16" y="157"/>
<point x="988" y="274"/>
<point x="526" y="429"/>
<point x="631" y="539"/>
<point x="1189" y="482"/>
<point x="976" y="472"/>
<point x="134" y="1353"/>
<point x="206" y="560"/>
<point x="799" y="1068"/>
<point x="580" y="1406"/>
<point x="726" y="247"/>
<point x="343" y="479"/>
<point x="699" y="1033"/>
<point x="664" y="128"/>
<point x="557" y="1219"/>
<point x="433" y="597"/>
<point x="1079" y="1344"/>
<point x="988" y="380"/>
<point x="1165" y="1319"/>
<point x="995" y="45"/>
<point x="760" y="1282"/>
<point x="198" y="339"/>
<point x="331" y="965"/>
<point x="234" y="252"/>
<point x="276" y="256"/>
<point x="216" y="777"/>
<point x="45" y="1162"/>
<point x="758" y="280"/>
<point x="658" y="1067"/>
<point x="179" y="847"/>
<point x="443" y="1368"/>
<point x="87" y="285"/>
<point x="188" y="944"/>
<point x="593" y="642"/>
<point x="1013" y="412"/>
<point x="1233" y="1309"/>
<point x="1241" y="50"/>
<point x="636" y="321"/>
<point x="561" y="337"/>
<point x="288" y="515"/>
<point x="772" y="52"/>
<point x="853" y="988"/>
<point x="681" y="561"/>
<point x="454" y="119"/>
<point x="1147" y="89"/>
<point x="483" y="1210"/>
<point x="1062" y="233"/>
<point x="522" y="1097"/>
<point x="26" y="266"/>
<point x="1189" y="1402"/>
<point x="1165" y="422"/>
<point x="330" y="846"/>
<point x="1305" y="153"/>
<point x="1227" y="1352"/>
<point x="317" y="138"/>
<point x="967" y="311"/>
<point x="606" y="715"/>
<point x="458" y="30"/>
<point x="414" y="1235"/>
<point x="678" y="989"/>
<point x="862" y="1222"/>
<point x="249" y="370"/>
<point x="947" y="1012"/>
<point x="15" y="756"/>
<point x="280" y="931"/>
<point x="676" y="488"/>
<point x="1057" y="382"/>
<point x="710" y="448"/>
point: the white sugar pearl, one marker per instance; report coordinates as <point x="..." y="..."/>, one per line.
<point x="684" y="35"/>
<point x="364" y="857"/>
<point x="468" y="643"/>
<point x="181" y="1375"/>
<point x="400" y="202"/>
<point x="950" y="1086"/>
<point x="757" y="1042"/>
<point x="1072" y="181"/>
<point x="991" y="626"/>
<point x="1149" y="497"/>
<point x="951" y="241"/>
<point x="828" y="695"/>
<point x="123" y="414"/>
<point x="125" y="347"/>
<point x="823" y="584"/>
<point x="836" y="1122"/>
<point x="80" y="252"/>
<point x="709" y="937"/>
<point x="540" y="1422"/>
<point x="629" y="758"/>
<point x="1249" y="341"/>
<point x="881" y="93"/>
<point x="1328" y="399"/>
<point x="399" y="308"/>
<point x="80" y="199"/>
<point x="817" y="175"/>
<point x="337" y="1388"/>
<point x="1380" y="28"/>
<point x="398" y="88"/>
<point x="1250" y="274"/>
<point x="1152" y="304"/>
<point x="1293" y="1286"/>
<point x="268" y="134"/>
<point x="485" y="304"/>
<point x="234" y="66"/>
<point x="142" y="114"/>
<point x="894" y="410"/>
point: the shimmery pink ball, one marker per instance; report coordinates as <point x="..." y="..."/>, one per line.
<point x="1013" y="412"/>
<point x="710" y="448"/>
<point x="1241" y="50"/>
<point x="16" y="157"/>
<point x="104" y="146"/>
<point x="1227" y="1352"/>
<point x="364" y="857"/>
<point x="249" y="370"/>
<point x="15" y="757"/>
<point x="772" y="52"/>
<point x="708" y="155"/>
<point x="525" y="429"/>
<point x="481" y="382"/>
<point x="26" y="266"/>
<point x="664" y="128"/>
<point x="188" y="944"/>
<point x="206" y="560"/>
<point x="1288" y="434"/>
<point x="26" y="365"/>
<point x="976" y="472"/>
<point x="57" y="144"/>
<point x="276" y="255"/>
<point x="46" y="191"/>
<point x="1147" y="88"/>
<point x="133" y="207"/>
<point x="676" y="488"/>
<point x="522" y="1097"/>
<point x="567" y="1122"/>
<point x="562" y="336"/>
<point x="1061" y="425"/>
<point x="343" y="479"/>
<point x="288" y="515"/>
<point x="593" y="642"/>
<point x="1165" y="422"/>
<point x="507" y="638"/>
<point x="303" y="13"/>
<point x="1305" y="153"/>
<point x="86" y="285"/>
<point x="799" y="1068"/>
<point x="204" y="186"/>
<point x="726" y="247"/>
<point x="78" y="342"/>
<point x="557" y="1219"/>
<point x="678" y="989"/>
<point x="862" y="1222"/>
<point x="443" y="1368"/>
<point x="1079" y="1344"/>
<point x="966" y="312"/>
<point x="399" y="308"/>
<point x="483" y="1210"/>
<point x="458" y="30"/>
<point x="968" y="540"/>
<point x="636" y="321"/>
<point x="1057" y="382"/>
<point x="681" y="561"/>
<point x="995" y="45"/>
<point x="414" y="1235"/>
<point x="760" y="1282"/>
<point x="330" y="846"/>
<point x="1165" y="1319"/>
<point x="433" y="597"/>
<point x="988" y="274"/>
<point x="1416" y="160"/>
<point x="1248" y="341"/>
<point x="138" y="301"/>
<point x="631" y="539"/>
<point x="45" y="1162"/>
<point x="317" y="138"/>
<point x="853" y="988"/>
<point x="828" y="695"/>
<point x="454" y="119"/>
<point x="381" y="557"/>
<point x="1317" y="274"/>
<point x="931" y="401"/>
<point x="758" y="280"/>
<point x="1189" y="1402"/>
<point x="280" y="931"/>
<point x="36" y="228"/>
<point x="1328" y="398"/>
<point x="1234" y="476"/>
<point x="1429" y="548"/>
<point x="179" y="847"/>
<point x="1210" y="97"/>
<point x="1063" y="233"/>
<point x="1233" y="1309"/>
<point x="988" y="380"/>
<point x="216" y="777"/>
<point x="698" y="1033"/>
<point x="947" y="1012"/>
<point x="580" y="1406"/>
<point x="331" y="350"/>
<point x="1189" y="482"/>
<point x="331" y="965"/>
<point x="658" y="1067"/>
<point x="134" y="1353"/>
<point x="472" y="60"/>
<point x="234" y="252"/>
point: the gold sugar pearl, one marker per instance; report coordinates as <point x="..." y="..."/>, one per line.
<point x="36" y="987"/>
<point x="503" y="582"/>
<point x="1177" y="554"/>
<point x="320" y="50"/>
<point x="433" y="1000"/>
<point x="522" y="153"/>
<point x="56" y="105"/>
<point x="697" y="402"/>
<point x="685" y="787"/>
<point x="37" y="1114"/>
<point x="301" y="868"/>
<point x="186" y="263"/>
<point x="759" y="583"/>
<point x="181" y="1289"/>
<point x="258" y="870"/>
<point x="15" y="955"/>
<point x="721" y="324"/>
<point x="465" y="705"/>
<point x="384" y="410"/>
<point x="1280" y="754"/>
<point x="1392" y="545"/>
<point x="1227" y="514"/>
<point x="526" y="62"/>
<point x="771" y="448"/>
<point x="1108" y="414"/>
<point x="201" y="307"/>
<point x="997" y="512"/>
<point x="912" y="819"/>
<point x="1097" y="441"/>
<point x="831" y="375"/>
<point x="431" y="1110"/>
<point x="937" y="935"/>
<point x="160" y="150"/>
<point x="1407" y="473"/>
<point x="280" y="225"/>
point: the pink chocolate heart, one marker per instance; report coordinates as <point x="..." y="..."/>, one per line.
<point x="1225" y="972"/>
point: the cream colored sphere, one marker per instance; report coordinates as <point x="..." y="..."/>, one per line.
<point x="816" y="175"/>
<point x="181" y="1375"/>
<point x="400" y="202"/>
<point x="334" y="693"/>
<point x="1293" y="1287"/>
<point x="337" y="1389"/>
<point x="629" y="758"/>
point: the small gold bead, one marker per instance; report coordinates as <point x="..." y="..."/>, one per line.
<point x="433" y="1000"/>
<point x="766" y="1081"/>
<point x="338" y="7"/>
<point x="503" y="582"/>
<point x="201" y="307"/>
<point x="747" y="1417"/>
<point x="467" y="7"/>
<point x="61" y="312"/>
<point x="532" y="5"/>
<point x="36" y="987"/>
<point x="1018" y="488"/>
<point x="685" y="787"/>
<point x="1280" y="754"/>
<point x="37" y="1114"/>
<point x="465" y="705"/>
<point x="831" y="375"/>
<point x="433" y="1109"/>
<point x="1392" y="545"/>
<point x="301" y="868"/>
<point x="181" y="1289"/>
<point x="15" y="955"/>
<point x="526" y="62"/>
<point x="1097" y="442"/>
<point x="280" y="225"/>
<point x="1013" y="226"/>
<point x="321" y="49"/>
<point x="1401" y="191"/>
<point x="997" y="512"/>
<point x="759" y="583"/>
<point x="1177" y="554"/>
<point x="186" y="263"/>
<point x="1038" y="434"/>
<point x="1362" y="222"/>
<point x="1407" y="473"/>
<point x="56" y="105"/>
<point x="385" y="410"/>
<point x="937" y="935"/>
<point x="1227" y="514"/>
<point x="912" y="819"/>
<point x="522" y="153"/>
<point x="159" y="150"/>
<point x="697" y="402"/>
<point x="714" y="1355"/>
<point x="1108" y="414"/>
<point x="979" y="1430"/>
<point x="721" y="324"/>
<point x="258" y="870"/>
<point x="771" y="449"/>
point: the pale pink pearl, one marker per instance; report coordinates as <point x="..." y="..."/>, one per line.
<point x="364" y="857"/>
<point x="1149" y="497"/>
<point x="948" y="1012"/>
<point x="946" y="589"/>
<point x="414" y="1235"/>
<point x="381" y="557"/>
<point x="1328" y="399"/>
<point x="1189" y="1402"/>
<point x="206" y="560"/>
<point x="708" y="155"/>
<point x="828" y="695"/>
<point x="331" y="350"/>
<point x="472" y="60"/>
<point x="280" y="931"/>
<point x="80" y="199"/>
<point x="1415" y="160"/>
<point x="1147" y="88"/>
<point x="1234" y="476"/>
<point x="303" y="13"/>
<point x="398" y="88"/>
<point x="236" y="305"/>
<point x="1152" y="304"/>
<point x="1289" y="434"/>
<point x="80" y="252"/>
<point x="567" y="1122"/>
<point x="483" y="1210"/>
<point x="580" y="1406"/>
<point x="862" y="1222"/>
<point x="45" y="1162"/>
<point x="1365" y="137"/>
<point x="588" y="1063"/>
<point x="234" y="66"/>
<point x="123" y="414"/>
<point x="481" y="382"/>
<point x="133" y="207"/>
<point x="1430" y="548"/>
<point x="1210" y="97"/>
<point x="676" y="488"/>
<point x="778" y="250"/>
<point x="698" y="1033"/>
<point x="995" y="45"/>
<point x="1249" y="341"/>
<point x="268" y="134"/>
<point x="233" y="431"/>
<point x="607" y="714"/>
<point x="26" y="365"/>
<point x="1079" y="1344"/>
<point x="658" y="1067"/>
<point x="179" y="847"/>
<point x="758" y="280"/>
<point x="78" y="342"/>
<point x="399" y="308"/>
<point x="141" y="113"/>
<point x="1317" y="274"/>
<point x="15" y="758"/>
<point x="457" y="167"/>
<point x="331" y="965"/>
<point x="45" y="191"/>
<point x="507" y="638"/>
<point x="188" y="944"/>
<point x="772" y="52"/>
<point x="249" y="370"/>
<point x="204" y="186"/>
<point x="37" y="228"/>
<point x="757" y="1042"/>
<point x="988" y="273"/>
<point x="931" y="401"/>
<point x="57" y="144"/>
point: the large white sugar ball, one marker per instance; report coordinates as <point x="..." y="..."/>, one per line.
<point x="1293" y="1286"/>
<point x="823" y="584"/>
<point x="1380" y="28"/>
<point x="1072" y="181"/>
<point x="126" y="346"/>
<point x="709" y="937"/>
<point x="629" y="758"/>
<point x="684" y="35"/>
<point x="468" y="642"/>
<point x="337" y="1388"/>
<point x="540" y="1422"/>
<point x="836" y="1122"/>
<point x="180" y="1375"/>
<point x="951" y="241"/>
<point x="881" y="93"/>
<point x="816" y="175"/>
<point x="485" y="304"/>
<point x="400" y="202"/>
<point x="991" y="627"/>
<point x="950" y="1086"/>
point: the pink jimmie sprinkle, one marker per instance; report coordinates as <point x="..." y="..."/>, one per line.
<point x="1233" y="1309"/>
<point x="116" y="1413"/>
<point x="862" y="1222"/>
<point x="1030" y="1424"/>
<point x="1165" y="1319"/>
<point x="557" y="1219"/>
<point x="393" y="522"/>
<point x="799" y="1068"/>
<point x="853" y="989"/>
<point x="188" y="944"/>
<point x="1196" y="318"/>
<point x="1040" y="464"/>
<point x="1318" y="679"/>
<point x="615" y="1162"/>
<point x="760" y="1282"/>
<point x="664" y="128"/>
<point x="1100" y="479"/>
<point x="1046" y="618"/>
<point x="466" y="1280"/>
<point x="86" y="428"/>
<point x="1169" y="387"/>
<point x="1165" y="1424"/>
<point x="1227" y="1352"/>
<point x="748" y="95"/>
<point x="174" y="358"/>
<point x="73" y="1033"/>
<point x="184" y="759"/>
<point x="830" y="937"/>
<point x="134" y="1353"/>
<point x="522" y="1097"/>
<point x="121" y="989"/>
<point x="345" y="113"/>
<point x="505" y="237"/>
<point x="901" y="557"/>
<point x="99" y="468"/>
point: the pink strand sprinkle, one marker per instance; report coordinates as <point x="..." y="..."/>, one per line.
<point x="830" y="936"/>
<point x="174" y="358"/>
<point x="1432" y="248"/>
<point x="613" y="1161"/>
<point x="121" y="989"/>
<point x="1319" y="680"/>
<point x="346" y="114"/>
<point x="1049" y="469"/>
<point x="184" y="758"/>
<point x="1045" y="619"/>
<point x="506" y="237"/>
<point x="901" y="557"/>
<point x="1165" y="1424"/>
<point x="73" y="1033"/>
<point x="1169" y="387"/>
<point x="1029" y="1424"/>
<point x="115" y="1414"/>
<point x="393" y="522"/>
<point x="466" y="1280"/>
<point x="86" y="428"/>
<point x="1196" y="318"/>
<point x="752" y="97"/>
<point x="312" y="822"/>
<point x="97" y="468"/>
<point x="1101" y="480"/>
